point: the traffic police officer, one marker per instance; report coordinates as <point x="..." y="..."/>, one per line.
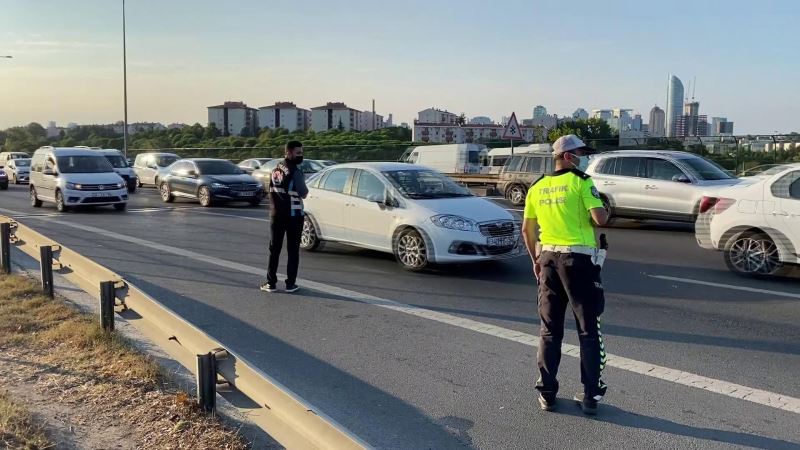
<point x="562" y="206"/>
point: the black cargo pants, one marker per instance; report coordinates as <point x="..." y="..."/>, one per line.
<point x="570" y="279"/>
<point x="292" y="228"/>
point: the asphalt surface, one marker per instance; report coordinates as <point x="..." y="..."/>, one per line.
<point x="402" y="381"/>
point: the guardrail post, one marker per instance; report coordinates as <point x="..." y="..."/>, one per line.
<point x="207" y="381"/>
<point x="107" y="300"/>
<point x="5" y="247"/>
<point x="46" y="264"/>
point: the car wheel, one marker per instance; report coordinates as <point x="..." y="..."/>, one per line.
<point x="754" y="254"/>
<point x="256" y="201"/>
<point x="166" y="193"/>
<point x="411" y="251"/>
<point x="309" y="238"/>
<point x="516" y="195"/>
<point x="35" y="202"/>
<point x="14" y="178"/>
<point x="204" y="196"/>
<point x="3" y="186"/>
<point x="60" y="205"/>
<point x="120" y="206"/>
<point x="610" y="209"/>
<point x="138" y="182"/>
<point x="131" y="188"/>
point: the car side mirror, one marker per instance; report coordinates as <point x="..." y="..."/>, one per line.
<point x="681" y="178"/>
<point x="191" y="174"/>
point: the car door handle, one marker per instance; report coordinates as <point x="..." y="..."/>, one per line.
<point x="609" y="183"/>
<point x="781" y="213"/>
<point x="650" y="186"/>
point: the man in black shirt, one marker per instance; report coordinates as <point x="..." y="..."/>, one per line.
<point x="287" y="189"/>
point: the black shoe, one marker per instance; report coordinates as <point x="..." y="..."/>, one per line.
<point x="547" y="403"/>
<point x="290" y="288"/>
<point x="266" y="287"/>
<point x="587" y="404"/>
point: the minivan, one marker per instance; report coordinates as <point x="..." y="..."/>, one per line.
<point x="70" y="177"/>
<point x="520" y="172"/>
<point x="5" y="156"/>
<point x="150" y="166"/>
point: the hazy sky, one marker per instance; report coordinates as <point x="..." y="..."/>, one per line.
<point x="477" y="57"/>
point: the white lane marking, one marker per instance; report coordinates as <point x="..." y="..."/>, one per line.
<point x="758" y="396"/>
<point x="726" y="286"/>
<point x="232" y="215"/>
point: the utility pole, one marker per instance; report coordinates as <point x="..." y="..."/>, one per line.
<point x="124" y="84"/>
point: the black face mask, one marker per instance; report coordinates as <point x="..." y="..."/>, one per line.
<point x="297" y="160"/>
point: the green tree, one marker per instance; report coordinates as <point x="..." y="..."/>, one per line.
<point x="461" y="120"/>
<point x="211" y="131"/>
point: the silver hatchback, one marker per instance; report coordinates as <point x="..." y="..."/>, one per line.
<point x="651" y="184"/>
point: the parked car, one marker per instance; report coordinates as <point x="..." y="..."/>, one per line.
<point x="149" y="167"/>
<point x="18" y="170"/>
<point x="416" y="213"/>
<point x="3" y="180"/>
<point x="249" y="165"/>
<point x="121" y="166"/>
<point x="519" y="173"/>
<point x="649" y="184"/>
<point x="69" y="176"/>
<point x="310" y="167"/>
<point x="7" y="156"/>
<point x="756" y="224"/>
<point x="497" y="157"/>
<point x="209" y="181"/>
<point x="448" y="158"/>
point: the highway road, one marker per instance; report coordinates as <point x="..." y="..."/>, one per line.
<point x="446" y="359"/>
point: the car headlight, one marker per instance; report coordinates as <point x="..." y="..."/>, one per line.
<point x="120" y="185"/>
<point x="454" y="222"/>
<point x="72" y="186"/>
<point x="218" y="185"/>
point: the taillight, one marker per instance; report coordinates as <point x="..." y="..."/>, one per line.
<point x="719" y="204"/>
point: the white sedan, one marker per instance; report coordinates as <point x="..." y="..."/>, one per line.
<point x="756" y="223"/>
<point x="418" y="214"/>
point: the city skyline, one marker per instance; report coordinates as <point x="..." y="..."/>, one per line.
<point x="182" y="57"/>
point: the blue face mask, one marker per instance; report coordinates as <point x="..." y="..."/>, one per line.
<point x="583" y="163"/>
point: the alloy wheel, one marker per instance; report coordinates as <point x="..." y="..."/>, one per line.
<point x="411" y="251"/>
<point x="755" y="255"/>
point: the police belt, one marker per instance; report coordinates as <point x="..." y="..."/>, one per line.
<point x="580" y="249"/>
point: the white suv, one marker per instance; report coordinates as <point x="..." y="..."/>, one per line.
<point x="756" y="223"/>
<point x="650" y="184"/>
<point x="75" y="177"/>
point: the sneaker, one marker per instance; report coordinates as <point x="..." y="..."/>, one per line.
<point x="547" y="403"/>
<point x="292" y="288"/>
<point x="587" y="404"/>
<point x="266" y="287"/>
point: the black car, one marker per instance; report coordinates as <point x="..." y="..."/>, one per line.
<point x="209" y="181"/>
<point x="3" y="180"/>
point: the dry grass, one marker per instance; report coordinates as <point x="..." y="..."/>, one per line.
<point x="17" y="428"/>
<point x="91" y="373"/>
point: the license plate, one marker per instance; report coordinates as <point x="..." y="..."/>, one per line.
<point x="246" y="194"/>
<point x="502" y="241"/>
<point x="101" y="194"/>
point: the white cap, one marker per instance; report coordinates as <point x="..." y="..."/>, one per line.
<point x="569" y="143"/>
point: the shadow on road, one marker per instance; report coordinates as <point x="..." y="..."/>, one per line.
<point x="614" y="415"/>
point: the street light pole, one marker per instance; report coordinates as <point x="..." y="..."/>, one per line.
<point x="124" y="84"/>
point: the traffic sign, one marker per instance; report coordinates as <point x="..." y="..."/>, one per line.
<point x="512" y="130"/>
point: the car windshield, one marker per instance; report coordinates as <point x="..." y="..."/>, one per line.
<point x="117" y="161"/>
<point x="311" y="166"/>
<point x="425" y="184"/>
<point x="218" y="168"/>
<point x="22" y="162"/>
<point x="773" y="170"/>
<point x="165" y="160"/>
<point x="705" y="169"/>
<point x="83" y="164"/>
<point x="19" y="156"/>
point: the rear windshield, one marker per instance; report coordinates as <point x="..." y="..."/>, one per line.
<point x="83" y="164"/>
<point x="22" y="162"/>
<point x="705" y="169"/>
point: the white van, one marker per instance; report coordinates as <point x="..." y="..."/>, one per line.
<point x="69" y="176"/>
<point x="497" y="157"/>
<point x="120" y="165"/>
<point x="448" y="158"/>
<point x="5" y="156"/>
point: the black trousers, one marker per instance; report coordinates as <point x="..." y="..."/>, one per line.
<point x="570" y="279"/>
<point x="292" y="228"/>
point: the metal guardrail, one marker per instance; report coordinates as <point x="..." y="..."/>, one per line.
<point x="282" y="414"/>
